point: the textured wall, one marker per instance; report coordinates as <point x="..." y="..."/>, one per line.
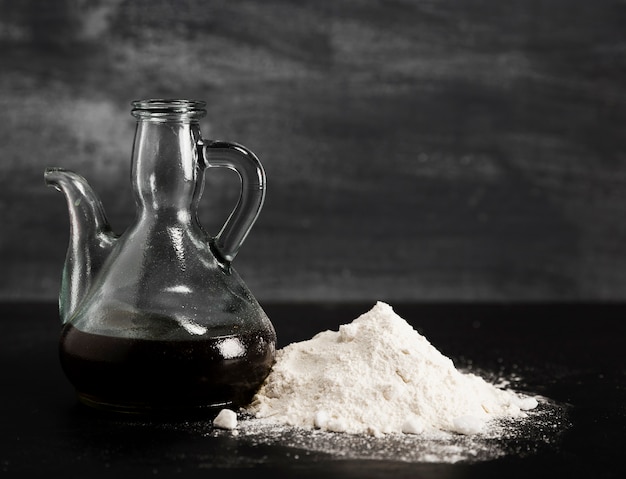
<point x="423" y="150"/>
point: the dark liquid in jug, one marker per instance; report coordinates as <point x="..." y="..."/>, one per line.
<point x="153" y="376"/>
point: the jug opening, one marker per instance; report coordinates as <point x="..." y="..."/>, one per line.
<point x="168" y="109"/>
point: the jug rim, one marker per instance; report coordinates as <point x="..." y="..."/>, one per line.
<point x="164" y="108"/>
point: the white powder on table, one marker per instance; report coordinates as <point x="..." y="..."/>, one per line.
<point x="375" y="376"/>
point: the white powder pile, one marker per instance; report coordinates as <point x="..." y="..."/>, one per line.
<point x="375" y="376"/>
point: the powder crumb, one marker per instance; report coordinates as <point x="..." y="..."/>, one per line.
<point x="321" y="420"/>
<point x="413" y="425"/>
<point x="527" y="403"/>
<point x="225" y="419"/>
<point x="468" y="424"/>
<point x="378" y="376"/>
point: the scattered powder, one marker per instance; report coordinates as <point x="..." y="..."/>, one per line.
<point x="541" y="431"/>
<point x="378" y="376"/>
<point x="265" y="443"/>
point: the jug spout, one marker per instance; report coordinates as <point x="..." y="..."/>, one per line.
<point x="91" y="238"/>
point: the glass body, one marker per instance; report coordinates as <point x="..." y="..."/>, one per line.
<point x="157" y="319"/>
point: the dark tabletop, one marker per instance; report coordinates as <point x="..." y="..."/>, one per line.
<point x="573" y="354"/>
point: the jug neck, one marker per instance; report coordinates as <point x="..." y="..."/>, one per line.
<point x="167" y="174"/>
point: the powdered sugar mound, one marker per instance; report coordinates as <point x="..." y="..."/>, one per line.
<point x="377" y="375"/>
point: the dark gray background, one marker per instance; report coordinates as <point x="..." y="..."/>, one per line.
<point x="415" y="150"/>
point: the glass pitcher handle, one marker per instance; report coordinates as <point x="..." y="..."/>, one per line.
<point x="250" y="170"/>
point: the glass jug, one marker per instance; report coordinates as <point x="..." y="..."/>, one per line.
<point x="157" y="319"/>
